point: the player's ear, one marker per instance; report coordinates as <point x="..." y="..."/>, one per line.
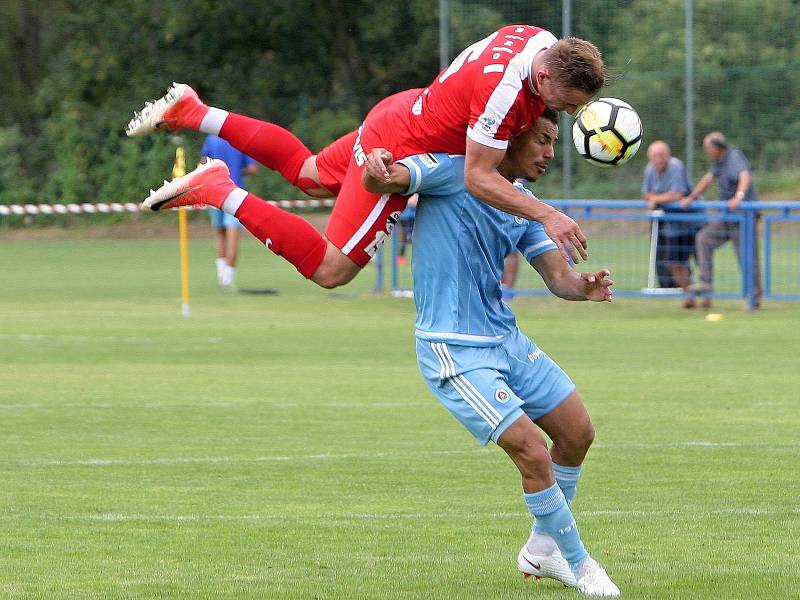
<point x="541" y="75"/>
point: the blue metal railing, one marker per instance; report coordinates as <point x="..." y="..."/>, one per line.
<point x="747" y="217"/>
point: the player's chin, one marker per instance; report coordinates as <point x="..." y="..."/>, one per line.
<point x="535" y="172"/>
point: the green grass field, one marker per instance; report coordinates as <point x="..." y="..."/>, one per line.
<point x="286" y="447"/>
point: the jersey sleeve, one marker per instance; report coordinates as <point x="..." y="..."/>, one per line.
<point x="535" y="240"/>
<point x="494" y="103"/>
<point x="433" y="174"/>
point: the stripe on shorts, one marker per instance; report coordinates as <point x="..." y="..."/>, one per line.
<point x="366" y="225"/>
<point x="464" y="387"/>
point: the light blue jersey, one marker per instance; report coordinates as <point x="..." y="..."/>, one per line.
<point x="469" y="349"/>
<point x="460" y="245"/>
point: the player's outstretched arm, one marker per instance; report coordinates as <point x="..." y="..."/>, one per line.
<point x="569" y="284"/>
<point x="483" y="181"/>
<point x="382" y="175"/>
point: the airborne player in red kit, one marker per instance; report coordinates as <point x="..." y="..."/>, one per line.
<point x="495" y="89"/>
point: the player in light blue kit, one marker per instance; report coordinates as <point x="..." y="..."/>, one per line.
<point x="491" y="377"/>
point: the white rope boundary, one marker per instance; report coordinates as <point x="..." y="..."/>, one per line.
<point x="129" y="207"/>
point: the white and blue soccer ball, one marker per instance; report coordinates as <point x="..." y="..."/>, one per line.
<point x="607" y="132"/>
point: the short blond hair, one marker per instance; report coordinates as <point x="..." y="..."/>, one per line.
<point x="576" y="63"/>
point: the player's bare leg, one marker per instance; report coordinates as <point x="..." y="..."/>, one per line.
<point x="287" y="235"/>
<point x="571" y="430"/>
<point x="335" y="269"/>
<point x="526" y="446"/>
<point x="527" y="449"/>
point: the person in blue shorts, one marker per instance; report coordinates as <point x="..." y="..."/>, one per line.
<point x="494" y="380"/>
<point x="227" y="226"/>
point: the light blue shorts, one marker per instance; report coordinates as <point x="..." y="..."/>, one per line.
<point x="222" y="220"/>
<point x="488" y="388"/>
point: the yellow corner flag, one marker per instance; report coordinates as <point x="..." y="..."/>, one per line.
<point x="179" y="170"/>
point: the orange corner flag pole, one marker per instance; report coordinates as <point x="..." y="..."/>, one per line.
<point x="179" y="170"/>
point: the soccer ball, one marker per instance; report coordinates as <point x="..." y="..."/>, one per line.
<point x="607" y="132"/>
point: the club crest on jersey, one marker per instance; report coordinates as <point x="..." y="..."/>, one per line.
<point x="487" y="123"/>
<point x="501" y="395"/>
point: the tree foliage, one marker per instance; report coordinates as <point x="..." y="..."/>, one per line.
<point x="73" y="72"/>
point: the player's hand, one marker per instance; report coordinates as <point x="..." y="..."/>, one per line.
<point x="733" y="203"/>
<point x="686" y="201"/>
<point x="567" y="235"/>
<point x="377" y="161"/>
<point x="597" y="286"/>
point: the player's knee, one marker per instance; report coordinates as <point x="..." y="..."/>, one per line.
<point x="330" y="280"/>
<point x="586" y="437"/>
<point x="532" y="458"/>
<point x="335" y="270"/>
<point x="577" y="444"/>
<point x="330" y="276"/>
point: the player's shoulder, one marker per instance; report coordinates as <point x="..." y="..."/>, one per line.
<point x="520" y="30"/>
<point x="514" y="46"/>
<point x="434" y="172"/>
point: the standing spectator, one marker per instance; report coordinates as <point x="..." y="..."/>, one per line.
<point x="665" y="182"/>
<point x="735" y="184"/>
<point x="406" y="221"/>
<point x="227" y="226"/>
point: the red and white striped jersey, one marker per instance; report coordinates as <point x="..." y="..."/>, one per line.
<point x="485" y="94"/>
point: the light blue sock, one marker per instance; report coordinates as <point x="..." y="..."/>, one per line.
<point x="553" y="517"/>
<point x="567" y="480"/>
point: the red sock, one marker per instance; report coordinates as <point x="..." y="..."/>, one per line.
<point x="271" y="145"/>
<point x="287" y="235"/>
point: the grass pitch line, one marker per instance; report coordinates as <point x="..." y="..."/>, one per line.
<point x="126" y="339"/>
<point x="620" y="514"/>
<point x="213" y="460"/>
<point x="399" y="455"/>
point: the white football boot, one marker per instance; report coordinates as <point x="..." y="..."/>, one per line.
<point x="592" y="580"/>
<point x="180" y="108"/>
<point x="544" y="560"/>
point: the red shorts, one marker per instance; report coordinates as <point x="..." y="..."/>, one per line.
<point x="332" y="162"/>
<point x="361" y="221"/>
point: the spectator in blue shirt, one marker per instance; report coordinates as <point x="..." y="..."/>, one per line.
<point x="735" y="183"/>
<point x="227" y="226"/>
<point x="665" y="183"/>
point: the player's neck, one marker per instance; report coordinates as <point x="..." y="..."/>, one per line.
<point x="506" y="173"/>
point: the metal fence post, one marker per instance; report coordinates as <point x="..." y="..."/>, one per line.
<point x="566" y="120"/>
<point x="689" y="76"/>
<point x="444" y="34"/>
